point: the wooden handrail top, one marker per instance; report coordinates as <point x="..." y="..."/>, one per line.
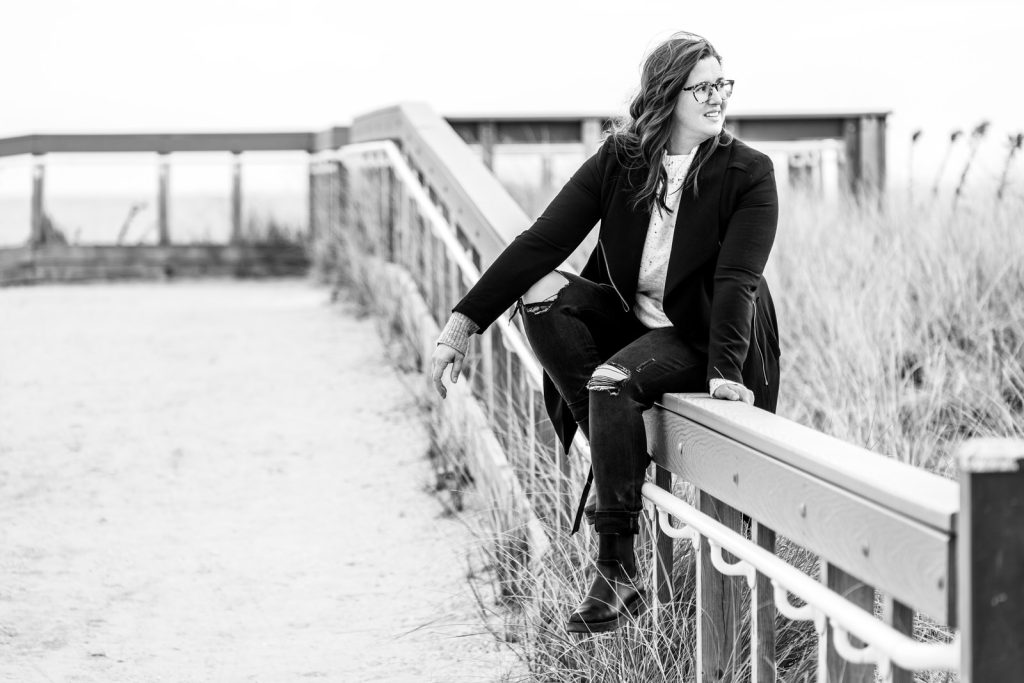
<point x="166" y="143"/>
<point x="478" y="203"/>
<point x="915" y="493"/>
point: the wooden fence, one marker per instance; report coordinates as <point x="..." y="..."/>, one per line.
<point x="893" y="541"/>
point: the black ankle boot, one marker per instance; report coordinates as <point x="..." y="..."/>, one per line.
<point x="613" y="598"/>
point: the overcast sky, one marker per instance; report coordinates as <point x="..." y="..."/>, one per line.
<point x="130" y="65"/>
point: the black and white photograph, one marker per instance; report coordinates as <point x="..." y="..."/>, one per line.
<point x="564" y="342"/>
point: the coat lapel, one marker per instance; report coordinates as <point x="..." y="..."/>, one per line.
<point x="623" y="235"/>
<point x="696" y="233"/>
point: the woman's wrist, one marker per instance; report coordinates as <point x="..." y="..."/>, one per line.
<point x="456" y="332"/>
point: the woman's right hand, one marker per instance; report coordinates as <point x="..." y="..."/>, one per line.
<point x="442" y="357"/>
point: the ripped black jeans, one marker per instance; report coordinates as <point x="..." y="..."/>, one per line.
<point x="609" y="368"/>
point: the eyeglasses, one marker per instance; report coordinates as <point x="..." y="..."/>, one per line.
<point x="702" y="91"/>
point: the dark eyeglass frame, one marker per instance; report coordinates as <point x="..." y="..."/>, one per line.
<point x="717" y="85"/>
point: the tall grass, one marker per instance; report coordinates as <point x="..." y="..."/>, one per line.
<point x="902" y="324"/>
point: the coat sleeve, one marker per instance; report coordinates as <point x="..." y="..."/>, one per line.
<point x="745" y="247"/>
<point x="540" y="249"/>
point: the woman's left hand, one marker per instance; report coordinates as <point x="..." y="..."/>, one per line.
<point x="734" y="392"/>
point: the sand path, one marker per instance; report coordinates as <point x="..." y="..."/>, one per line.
<point x="219" y="481"/>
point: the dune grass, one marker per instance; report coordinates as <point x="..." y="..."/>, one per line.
<point x="902" y="324"/>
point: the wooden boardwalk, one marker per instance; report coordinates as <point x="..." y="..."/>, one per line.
<point x="220" y="481"/>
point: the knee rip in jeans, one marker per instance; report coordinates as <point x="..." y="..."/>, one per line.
<point x="538" y="307"/>
<point x="542" y="306"/>
<point x="608" y="377"/>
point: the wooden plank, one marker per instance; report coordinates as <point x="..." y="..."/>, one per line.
<point x="161" y="143"/>
<point x="76" y="263"/>
<point x="837" y="669"/>
<point x="486" y="135"/>
<point x="38" y="202"/>
<point x="851" y="140"/>
<point x="762" y="614"/>
<point x="236" y="199"/>
<point x="872" y="156"/>
<point x="719" y="601"/>
<point x="664" y="544"/>
<point x="901" y="618"/>
<point x="162" y="201"/>
<point x="792" y="129"/>
<point x="904" y="558"/>
<point x="991" y="560"/>
<point x="910" y="491"/>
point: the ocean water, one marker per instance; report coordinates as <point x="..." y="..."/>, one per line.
<point x="193" y="218"/>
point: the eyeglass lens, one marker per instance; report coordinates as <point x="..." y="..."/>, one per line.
<point x="704" y="91"/>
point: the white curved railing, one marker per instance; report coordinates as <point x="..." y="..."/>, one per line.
<point x="885" y="645"/>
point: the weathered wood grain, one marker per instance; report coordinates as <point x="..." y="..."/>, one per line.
<point x="837" y="669"/>
<point x="664" y="544"/>
<point x="910" y="491"/>
<point x="901" y="618"/>
<point x="991" y="560"/>
<point x="719" y="604"/>
<point x="762" y="614"/>
<point x="902" y="557"/>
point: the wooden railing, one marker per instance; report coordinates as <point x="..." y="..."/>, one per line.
<point x="45" y="254"/>
<point x="889" y="538"/>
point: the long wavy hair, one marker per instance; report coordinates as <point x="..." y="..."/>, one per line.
<point x="641" y="137"/>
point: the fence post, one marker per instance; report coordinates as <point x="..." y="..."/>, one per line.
<point x="663" y="542"/>
<point x="37" y="235"/>
<point x="762" y="614"/>
<point x="162" y="200"/>
<point x="991" y="560"/>
<point x="236" y="196"/>
<point x="831" y="667"/>
<point x="719" y="605"/>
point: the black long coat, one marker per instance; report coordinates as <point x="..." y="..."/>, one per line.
<point x="715" y="293"/>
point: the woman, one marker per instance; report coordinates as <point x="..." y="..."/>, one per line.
<point x="672" y="299"/>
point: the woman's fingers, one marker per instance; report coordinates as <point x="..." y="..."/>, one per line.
<point x="456" y="368"/>
<point x="735" y="392"/>
<point x="438" y="363"/>
<point x="436" y="373"/>
<point x="442" y="358"/>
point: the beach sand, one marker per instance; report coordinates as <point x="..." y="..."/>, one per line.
<point x="220" y="481"/>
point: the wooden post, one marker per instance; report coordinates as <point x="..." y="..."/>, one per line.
<point x="488" y="133"/>
<point x="440" y="275"/>
<point x="991" y="560"/>
<point x="162" y="198"/>
<point x="831" y="667"/>
<point x="590" y="134"/>
<point x="36" y="236"/>
<point x="901" y="618"/>
<point x="663" y="543"/>
<point x="851" y="140"/>
<point x="872" y="154"/>
<point x="311" y="199"/>
<point x="487" y="372"/>
<point x="762" y="614"/>
<point x="390" y="202"/>
<point x="719" y="601"/>
<point x="236" y="197"/>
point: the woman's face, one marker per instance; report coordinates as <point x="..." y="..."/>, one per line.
<point x="696" y="122"/>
